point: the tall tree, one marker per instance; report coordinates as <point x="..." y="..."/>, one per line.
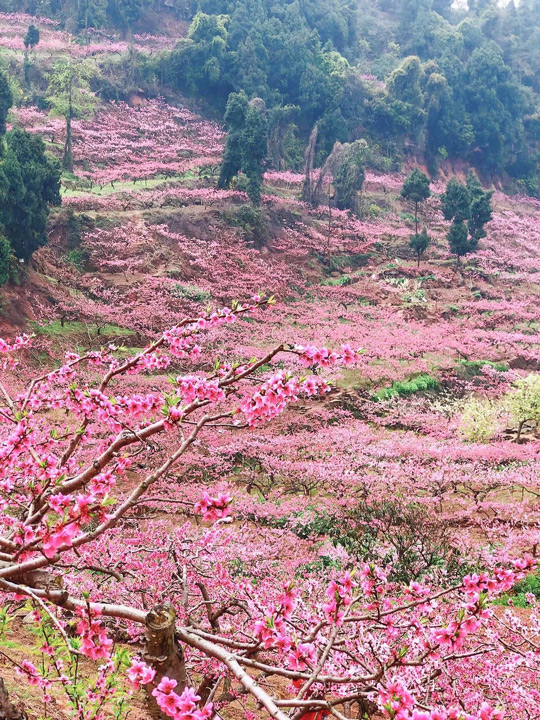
<point x="349" y="175"/>
<point x="125" y="13"/>
<point x="6" y="101"/>
<point x="70" y="96"/>
<point x="495" y="104"/>
<point x="235" y="122"/>
<point x="29" y="184"/>
<point x="416" y="189"/>
<point x="254" y="149"/>
<point x="246" y="144"/>
<point x="469" y="208"/>
<point x="31" y="39"/>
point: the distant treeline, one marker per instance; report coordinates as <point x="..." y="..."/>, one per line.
<point x="407" y="75"/>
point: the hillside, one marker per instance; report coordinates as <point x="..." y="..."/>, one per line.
<point x="377" y="541"/>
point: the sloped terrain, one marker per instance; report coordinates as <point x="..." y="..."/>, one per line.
<point x="380" y="468"/>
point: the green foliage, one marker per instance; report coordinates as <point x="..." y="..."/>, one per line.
<point x="198" y="60"/>
<point x="420" y="243"/>
<point x="254" y="143"/>
<point x="405" y="96"/>
<point x="193" y="293"/>
<point x="349" y="177"/>
<point x="69" y="95"/>
<point x="31" y="39"/>
<point x="461" y="203"/>
<point x="416" y="187"/>
<point x="391" y="532"/>
<point x="29" y="184"/>
<point x="420" y="383"/>
<point x="68" y="88"/>
<point x="458" y="239"/>
<point x="124" y="13"/>
<point x="5" y="260"/>
<point x="473" y="368"/>
<point x="495" y="104"/>
<point x="6" y="101"/>
<point x="481" y="213"/>
<point x="246" y="144"/>
<point x="456" y="202"/>
<point x="69" y="328"/>
<point x="521" y="592"/>
<point x="235" y="121"/>
<point x="77" y="257"/>
<point x="462" y="83"/>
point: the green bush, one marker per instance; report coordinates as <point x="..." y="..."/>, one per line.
<point x="471" y="368"/>
<point x="529" y="585"/>
<point x="420" y="383"/>
<point x="77" y="257"/>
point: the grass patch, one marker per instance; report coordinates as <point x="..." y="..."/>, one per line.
<point x="530" y="585"/>
<point x="72" y="327"/>
<point x="74" y="186"/>
<point x="420" y="383"/>
<point x="473" y="368"/>
<point x="339" y="281"/>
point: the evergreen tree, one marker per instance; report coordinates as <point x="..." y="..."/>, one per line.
<point x="495" y="104"/>
<point x="5" y="260"/>
<point x="235" y="122"/>
<point x="458" y="239"/>
<point x="420" y="242"/>
<point x="469" y="208"/>
<point x="474" y="186"/>
<point x="456" y="202"/>
<point x="69" y="95"/>
<point x="29" y="184"/>
<point x="481" y="213"/>
<point x="124" y="13"/>
<point x="6" y="101"/>
<point x="416" y="188"/>
<point x="31" y="39"/>
<point x="246" y="143"/>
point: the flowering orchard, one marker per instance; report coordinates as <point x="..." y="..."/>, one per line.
<point x="227" y="611"/>
<point x="333" y="511"/>
<point x="125" y="144"/>
<point x="56" y="42"/>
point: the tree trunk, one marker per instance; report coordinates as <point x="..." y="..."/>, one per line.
<point x="8" y="711"/>
<point x="307" y="190"/>
<point x="163" y="653"/>
<point x="67" y="160"/>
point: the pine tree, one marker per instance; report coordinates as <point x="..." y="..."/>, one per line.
<point x="420" y="242"/>
<point x="416" y="188"/>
